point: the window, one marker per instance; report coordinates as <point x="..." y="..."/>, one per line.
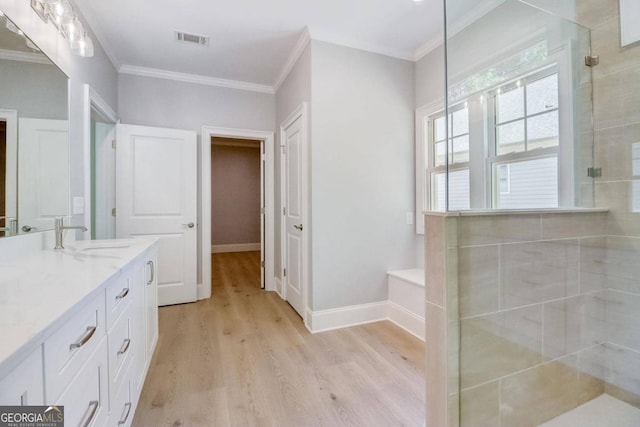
<point x="504" y="179"/>
<point x="503" y="148"/>
<point x="458" y="152"/>
<point x="526" y="137"/>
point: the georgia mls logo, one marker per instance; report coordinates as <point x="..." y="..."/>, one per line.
<point x="31" y="416"/>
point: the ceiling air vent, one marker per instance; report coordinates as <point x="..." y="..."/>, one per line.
<point x="192" y="38"/>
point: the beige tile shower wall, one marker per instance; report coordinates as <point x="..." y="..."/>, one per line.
<point x="532" y="302"/>
<point x="616" y="99"/>
<point x="441" y="334"/>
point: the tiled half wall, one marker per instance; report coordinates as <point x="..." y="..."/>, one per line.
<point x="528" y="316"/>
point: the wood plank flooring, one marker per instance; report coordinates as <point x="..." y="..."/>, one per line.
<point x="244" y="358"/>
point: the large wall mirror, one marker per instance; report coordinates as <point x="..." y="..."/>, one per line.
<point x="34" y="136"/>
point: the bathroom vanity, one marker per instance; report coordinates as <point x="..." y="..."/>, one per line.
<point x="79" y="327"/>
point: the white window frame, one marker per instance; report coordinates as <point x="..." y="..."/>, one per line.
<point x="495" y="159"/>
<point x="482" y="127"/>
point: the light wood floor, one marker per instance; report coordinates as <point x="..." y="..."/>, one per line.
<point x="244" y="358"/>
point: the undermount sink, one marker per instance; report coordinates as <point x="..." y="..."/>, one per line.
<point x="102" y="248"/>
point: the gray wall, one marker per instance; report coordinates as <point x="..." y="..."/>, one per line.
<point x="37" y="91"/>
<point x="430" y="85"/>
<point x="164" y="103"/>
<point x="97" y="71"/>
<point x="362" y="173"/>
<point x="295" y="90"/>
<point x="235" y="194"/>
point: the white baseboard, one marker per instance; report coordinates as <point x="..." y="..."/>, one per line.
<point x="278" y="284"/>
<point x="344" y="317"/>
<point x="240" y="247"/>
<point x="407" y="320"/>
<point x="327" y="320"/>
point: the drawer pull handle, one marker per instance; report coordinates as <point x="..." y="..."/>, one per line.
<point x="92" y="414"/>
<point x="125" y="346"/>
<point x="124" y="420"/>
<point x="152" y="266"/>
<point x="86" y="337"/>
<point x="122" y="294"/>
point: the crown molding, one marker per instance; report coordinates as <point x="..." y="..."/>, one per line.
<point x="16" y="55"/>
<point x="353" y="44"/>
<point x="481" y="9"/>
<point x="195" y="78"/>
<point x="428" y="47"/>
<point x="295" y="54"/>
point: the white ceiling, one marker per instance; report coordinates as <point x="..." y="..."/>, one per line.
<point x="251" y="40"/>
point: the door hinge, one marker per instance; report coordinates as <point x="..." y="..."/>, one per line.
<point x="284" y="211"/>
<point x="284" y="272"/>
<point x="594" y="172"/>
<point x="263" y="211"/>
<point x="591" y="61"/>
<point x="262" y="264"/>
<point x="284" y="149"/>
<point x="113" y="212"/>
<point x="114" y="144"/>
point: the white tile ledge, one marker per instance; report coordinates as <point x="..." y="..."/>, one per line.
<point x="496" y="212"/>
<point x="415" y="275"/>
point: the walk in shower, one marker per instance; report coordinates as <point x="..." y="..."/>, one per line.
<point x="532" y="237"/>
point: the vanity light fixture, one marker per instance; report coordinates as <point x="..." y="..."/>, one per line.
<point x="64" y="18"/>
<point x="12" y="27"/>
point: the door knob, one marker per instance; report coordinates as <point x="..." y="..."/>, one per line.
<point x="28" y="228"/>
<point x="190" y="225"/>
<point x="298" y="227"/>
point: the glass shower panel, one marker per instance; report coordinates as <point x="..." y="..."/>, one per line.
<point x="521" y="76"/>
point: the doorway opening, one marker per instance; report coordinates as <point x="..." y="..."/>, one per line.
<point x="226" y="200"/>
<point x="99" y="167"/>
<point x="237" y="197"/>
<point x="8" y="172"/>
<point x="103" y="177"/>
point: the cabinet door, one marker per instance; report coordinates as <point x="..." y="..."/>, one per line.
<point x="25" y="384"/>
<point x="85" y="401"/>
<point x="151" y="303"/>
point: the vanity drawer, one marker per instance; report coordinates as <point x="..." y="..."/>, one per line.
<point x="85" y="400"/>
<point x="119" y="295"/>
<point x="122" y="406"/>
<point x="67" y="349"/>
<point x="120" y="349"/>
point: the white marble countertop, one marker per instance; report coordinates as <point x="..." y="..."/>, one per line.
<point x="41" y="290"/>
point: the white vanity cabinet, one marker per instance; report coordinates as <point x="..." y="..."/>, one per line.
<point x="129" y="352"/>
<point x="93" y="359"/>
<point x="24" y="385"/>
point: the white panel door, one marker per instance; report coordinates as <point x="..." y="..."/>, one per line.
<point x="43" y="172"/>
<point x="293" y="262"/>
<point x="156" y="196"/>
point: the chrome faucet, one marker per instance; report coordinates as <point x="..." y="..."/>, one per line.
<point x="60" y="229"/>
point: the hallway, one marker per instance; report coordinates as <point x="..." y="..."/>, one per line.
<point x="244" y="358"/>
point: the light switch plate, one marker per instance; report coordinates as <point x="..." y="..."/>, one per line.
<point x="78" y="205"/>
<point x="409" y="218"/>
